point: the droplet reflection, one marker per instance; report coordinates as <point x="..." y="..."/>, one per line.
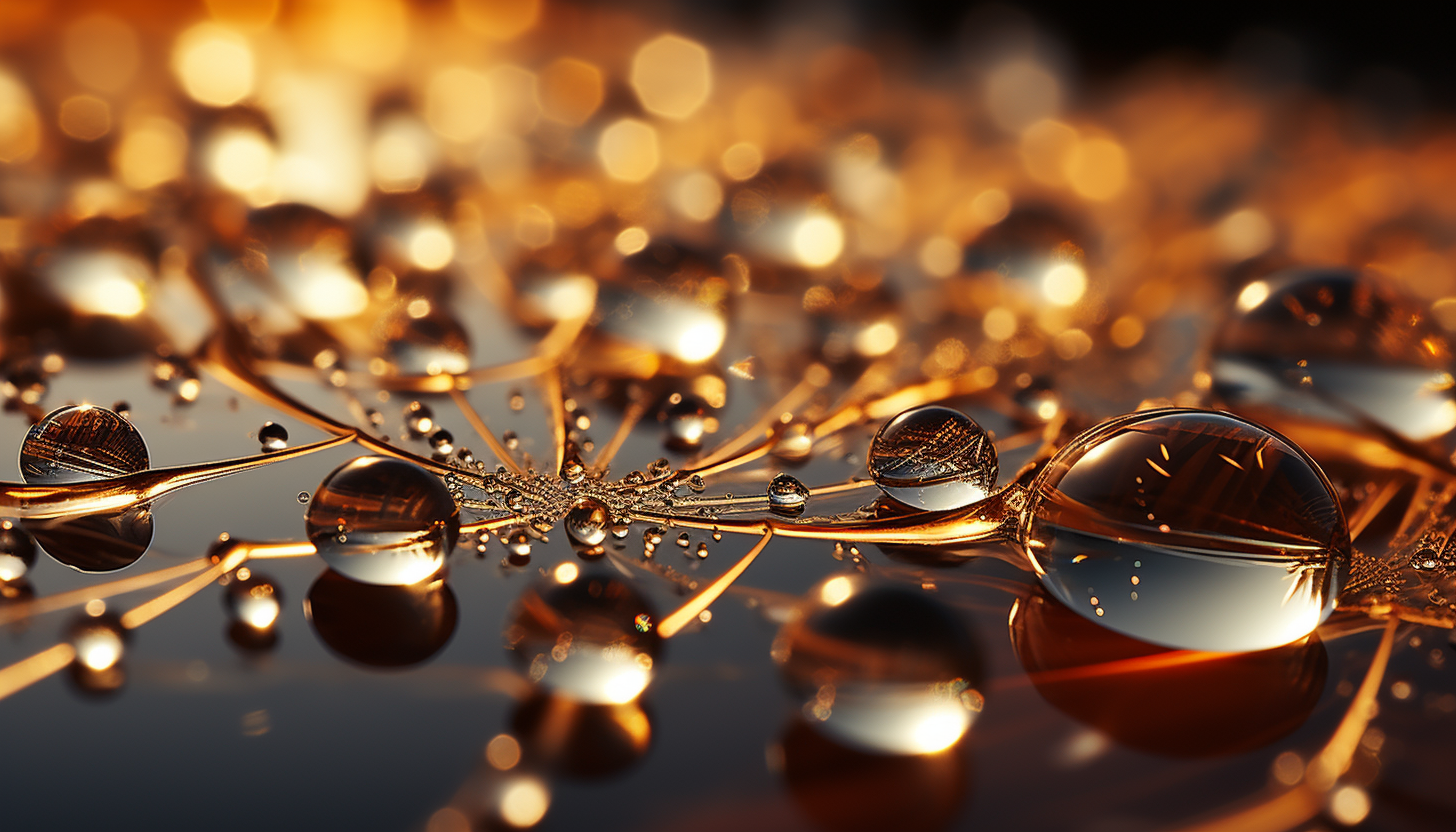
<point x="381" y="626"/>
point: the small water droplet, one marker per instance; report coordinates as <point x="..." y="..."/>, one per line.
<point x="303" y="497"/>
<point x="573" y="471"/>
<point x="794" y="442"/>
<point x="586" y="522"/>
<point x="659" y="468"/>
<point x="419" y="419"/>
<point x="17" y="552"/>
<point x="881" y="668"/>
<point x="702" y="551"/>
<point x="517" y="541"/>
<point x="78" y="443"/>
<point x="621" y="528"/>
<point x="687" y="421"/>
<point x="1256" y="549"/>
<point x="99" y="641"/>
<point x="697" y="484"/>
<point x="442" y="442"/>
<point x="683" y="540"/>
<point x="933" y="458"/>
<point x="510" y="440"/>
<point x="401" y="521"/>
<point x="581" y="638"/>
<point x="517" y="401"/>
<point x="254" y="601"/>
<point x="787" y="495"/>
<point x="273" y="437"/>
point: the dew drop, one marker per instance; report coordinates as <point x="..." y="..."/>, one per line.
<point x="684" y="540"/>
<point x="621" y="528"/>
<point x="586" y="522"/>
<point x="1256" y="549"/>
<point x="510" y="440"/>
<point x="99" y="641"/>
<point x="398" y="521"/>
<point x="697" y="484"/>
<point x="517" y="401"/>
<point x="273" y="437"/>
<point x="933" y="458"/>
<point x="881" y="668"/>
<point x="573" y="471"/>
<point x="442" y="442"/>
<point x="419" y="419"/>
<point x="1336" y="346"/>
<point x="787" y="495"/>
<point x="702" y="551"/>
<point x="794" y="442"/>
<point x="517" y="541"/>
<point x="659" y="468"/>
<point x="303" y="497"/>
<point x="254" y="602"/>
<point x="78" y="443"/>
<point x="580" y="638"/>
<point x="17" y="552"/>
<point x="687" y="421"/>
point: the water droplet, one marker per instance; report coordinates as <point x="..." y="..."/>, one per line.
<point x="398" y="521"/>
<point x="1335" y="345"/>
<point x="933" y="458"/>
<point x="78" y="443"/>
<point x="517" y="401"/>
<point x="580" y="638"/>
<point x="1257" y="547"/>
<point x="702" y="551"/>
<point x="643" y="622"/>
<point x="419" y="419"/>
<point x="303" y="497"/>
<point x="659" y="468"/>
<point x="96" y="543"/>
<point x="621" y="528"/>
<point x="586" y="522"/>
<point x="684" y="540"/>
<point x="517" y="541"/>
<point x="510" y="440"/>
<point x="794" y="442"/>
<point x="787" y="495"/>
<point x="99" y="641"/>
<point x="697" y="484"/>
<point x="382" y="626"/>
<point x="442" y="442"/>
<point x="273" y="437"/>
<point x="17" y="552"/>
<point x="122" y="409"/>
<point x="882" y="668"/>
<point x="573" y="471"/>
<point x="254" y="601"/>
<point x="687" y="421"/>
<point x="427" y="344"/>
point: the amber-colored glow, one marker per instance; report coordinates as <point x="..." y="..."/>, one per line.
<point x="152" y="151"/>
<point x="102" y="52"/>
<point x="680" y="617"/>
<point x="628" y="150"/>
<point x="672" y="76"/>
<point x="499" y="19"/>
<point x="458" y="103"/>
<point x="571" y="90"/>
<point x="85" y="117"/>
<point x="214" y="64"/>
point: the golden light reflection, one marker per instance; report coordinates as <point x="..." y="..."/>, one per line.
<point x="672" y="76"/>
<point x="631" y="240"/>
<point x="85" y="117"/>
<point x="742" y="161"/>
<point x="241" y="160"/>
<point x="524" y="801"/>
<point x="153" y="151"/>
<point x="499" y="19"/>
<point x="458" y="103"/>
<point x="503" y="752"/>
<point x="401" y="155"/>
<point x="571" y="90"/>
<point x="1021" y="92"/>
<point x="836" y="591"/>
<point x="1064" y="284"/>
<point x="817" y="240"/>
<point x="214" y="64"/>
<point x="697" y="196"/>
<point x="565" y="572"/>
<point x="1252" y="295"/>
<point x="430" y="245"/>
<point x="628" y="150"/>
<point x="19" y="124"/>
<point x="102" y="52"/>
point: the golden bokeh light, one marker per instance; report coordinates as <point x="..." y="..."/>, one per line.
<point x="742" y="161"/>
<point x="1021" y="92"/>
<point x="817" y="240"/>
<point x="1097" y="169"/>
<point x="19" y="124"/>
<point x="1064" y="284"/>
<point x="524" y="801"/>
<point x="631" y="240"/>
<point x="152" y="151"/>
<point x="628" y="150"/>
<point x="697" y="196"/>
<point x="571" y="91"/>
<point x="102" y="52"/>
<point x="214" y="64"/>
<point x="241" y="160"/>
<point x="401" y="154"/>
<point x="499" y="19"/>
<point x="672" y="76"/>
<point x="85" y="117"/>
<point x="458" y="103"/>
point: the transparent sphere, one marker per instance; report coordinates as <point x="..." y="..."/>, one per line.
<point x="579" y="638"/>
<point x="786" y="495"/>
<point x="78" y="443"/>
<point x="383" y="521"/>
<point x="881" y="667"/>
<point x="273" y="437"/>
<point x="933" y="458"/>
<point x="254" y="601"/>
<point x="1191" y="529"/>
<point x="99" y="641"/>
<point x="687" y="422"/>
<point x="1336" y="346"/>
<point x="793" y="442"/>
<point x="17" y="552"/>
<point x="382" y="626"/>
<point x="586" y="523"/>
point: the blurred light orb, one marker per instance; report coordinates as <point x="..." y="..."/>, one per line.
<point x="672" y="76"/>
<point x="628" y="150"/>
<point x="818" y="239"/>
<point x="214" y="64"/>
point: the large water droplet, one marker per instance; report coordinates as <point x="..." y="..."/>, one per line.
<point x="17" y="552"/>
<point x="1336" y="346"/>
<point x="1190" y="529"/>
<point x="586" y="522"/>
<point x="382" y="626"/>
<point x="934" y="458"/>
<point x="100" y="643"/>
<point x="78" y="443"/>
<point x="383" y="521"/>
<point x="787" y="495"/>
<point x="880" y="667"/>
<point x="579" y="638"/>
<point x="254" y="601"/>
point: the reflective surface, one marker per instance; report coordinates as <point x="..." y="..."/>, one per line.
<point x="1189" y="529"/>
<point x="81" y="442"/>
<point x="933" y="458"/>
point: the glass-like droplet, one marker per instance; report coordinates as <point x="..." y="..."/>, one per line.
<point x="17" y="552"/>
<point x="273" y="437"/>
<point x="880" y="667"/>
<point x="442" y="442"/>
<point x="794" y="442"/>
<point x="697" y="484"/>
<point x="787" y="495"/>
<point x="573" y="471"/>
<point x="1190" y="529"/>
<point x="517" y="401"/>
<point x="1336" y="346"/>
<point x="687" y="421"/>
<point x="397" y="521"/>
<point x="933" y="458"/>
<point x="684" y="540"/>
<point x="659" y="468"/>
<point x="510" y="440"/>
<point x="99" y="641"/>
<point x="254" y="601"/>
<point x="580" y="638"/>
<point x="586" y="522"/>
<point x="621" y="528"/>
<point x="419" y="419"/>
<point x="303" y="497"/>
<point x="517" y="541"/>
<point x="426" y="344"/>
<point x="78" y="443"/>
